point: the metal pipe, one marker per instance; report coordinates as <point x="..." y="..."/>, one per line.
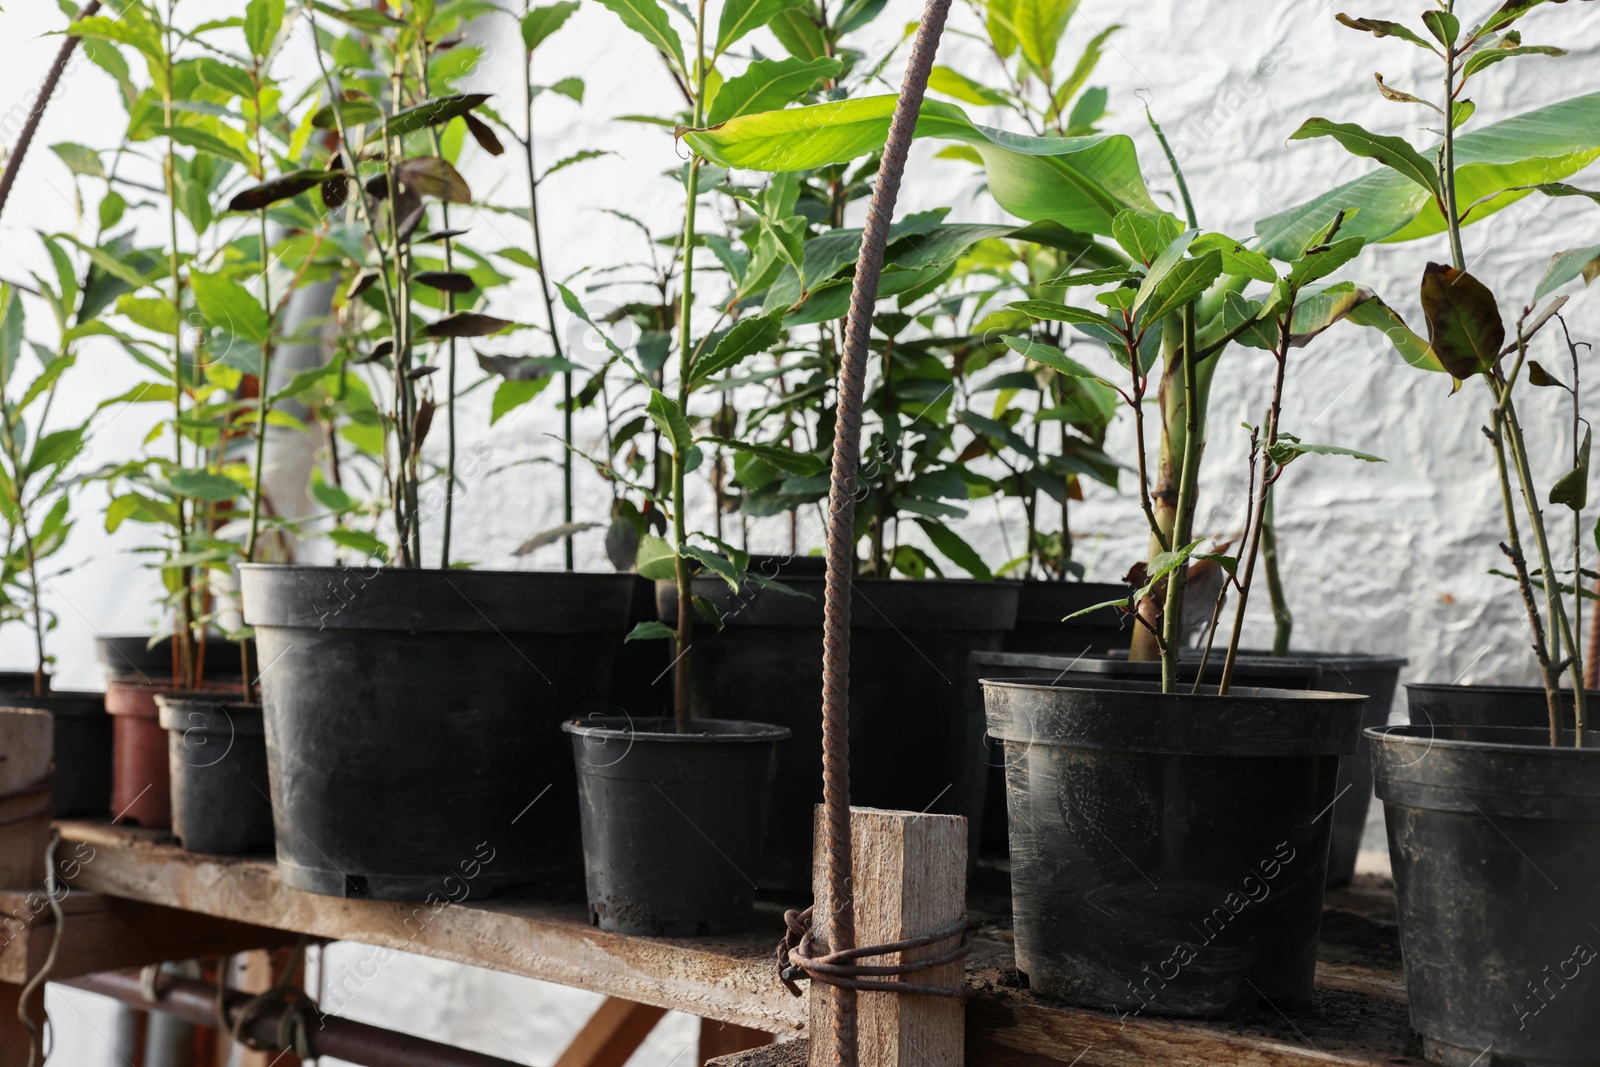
<point x="332" y="1036"/>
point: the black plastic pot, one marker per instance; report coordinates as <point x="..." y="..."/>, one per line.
<point x="988" y="827"/>
<point x="1042" y="608"/>
<point x="413" y="721"/>
<point x="131" y="657"/>
<point x="217" y="755"/>
<point x="672" y="823"/>
<point x="914" y="744"/>
<point x="1376" y="678"/>
<point x="1486" y="705"/>
<point x="1169" y="852"/>
<point x="1495" y="841"/>
<point x="82" y="752"/>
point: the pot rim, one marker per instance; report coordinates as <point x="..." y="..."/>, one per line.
<point x="1537" y="740"/>
<point x="1492" y="687"/>
<point x="723" y="731"/>
<point x="1139" y="686"/>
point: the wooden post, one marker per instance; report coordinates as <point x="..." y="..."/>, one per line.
<point x="26" y="740"/>
<point x="909" y="877"/>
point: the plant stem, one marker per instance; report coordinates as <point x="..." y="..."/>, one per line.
<point x="1263" y="495"/>
<point x="680" y="679"/>
<point x="1172" y="612"/>
<point x="1447" y="168"/>
<point x="1282" y="618"/>
<point x="182" y="638"/>
<point x="549" y="304"/>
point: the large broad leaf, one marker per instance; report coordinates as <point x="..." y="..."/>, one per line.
<point x="769" y="84"/>
<point x="1541" y="146"/>
<point x="740" y="17"/>
<point x="649" y="20"/>
<point x="1079" y="182"/>
<point x="1465" y="329"/>
<point x="540" y="22"/>
<point x="1374" y="314"/>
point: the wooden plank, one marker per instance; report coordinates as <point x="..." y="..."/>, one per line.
<point x="788" y="1054"/>
<point x="612" y="1034"/>
<point x="730" y="979"/>
<point x="908" y="876"/>
<point x="26" y="740"/>
<point x="13" y="1035"/>
<point x="1358" y="1019"/>
<point x="724" y="1039"/>
<point x="104" y="934"/>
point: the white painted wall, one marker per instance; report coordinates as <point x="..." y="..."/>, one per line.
<point x="1388" y="559"/>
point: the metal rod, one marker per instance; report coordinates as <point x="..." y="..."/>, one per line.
<point x="841" y="515"/>
<point x="195" y="1002"/>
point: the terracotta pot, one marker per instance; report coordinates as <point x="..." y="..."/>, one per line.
<point x="141" y="784"/>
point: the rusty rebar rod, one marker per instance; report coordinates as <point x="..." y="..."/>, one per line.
<point x="47" y="89"/>
<point x="842" y="512"/>
<point x="344" y="1039"/>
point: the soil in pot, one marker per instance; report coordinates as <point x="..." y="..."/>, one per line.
<point x="141" y="784"/>
<point x="82" y="753"/>
<point x="673" y="823"/>
<point x="413" y="722"/>
<point x="1081" y="669"/>
<point x="1376" y="678"/>
<point x="1043" y="626"/>
<point x="1525" y="706"/>
<point x="217" y="757"/>
<point x="1495" y="842"/>
<point x="914" y="743"/>
<point x="1169" y="852"/>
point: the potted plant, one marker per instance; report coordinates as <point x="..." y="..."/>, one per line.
<point x="460" y="677"/>
<point x="1492" y="827"/>
<point x="647" y="871"/>
<point x="37" y="465"/>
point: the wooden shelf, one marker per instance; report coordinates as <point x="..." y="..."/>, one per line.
<point x="1358" y="1019"/>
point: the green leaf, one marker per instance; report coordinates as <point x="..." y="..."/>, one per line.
<point x="953" y="83"/>
<point x="204" y="485"/>
<point x="540" y="22"/>
<point x="1376" y="315"/>
<point x="1236" y="311"/>
<point x="1289" y="447"/>
<point x="1444" y="26"/>
<point x="656" y="559"/>
<point x="957" y="551"/>
<point x="1509" y="12"/>
<point x="229" y="306"/>
<point x="512" y="393"/>
<point x="1322" y="262"/>
<point x="1182" y="284"/>
<point x="1565" y="266"/>
<point x="670" y="420"/>
<point x="785" y="459"/>
<point x="649" y="20"/>
<point x="1164" y="564"/>
<point x="1237" y="260"/>
<point x="80" y="160"/>
<point x="768" y="85"/>
<point x="714" y="563"/>
<point x="650" y="631"/>
<point x="1051" y="311"/>
<point x="740" y="17"/>
<point x="1393" y="152"/>
<point x="798" y="32"/>
<point x="1385" y="28"/>
<point x="208" y="143"/>
<point x="55" y="448"/>
<point x="1050" y="356"/>
<point x="1465" y="329"/>
<point x="225" y="76"/>
<point x="1538" y="147"/>
<point x="1490" y="56"/>
<point x="1079" y="182"/>
<point x="751" y="334"/>
<point x="262" y="21"/>
<point x="1573" y="487"/>
<point x="1039" y="25"/>
<point x="1144" y="235"/>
